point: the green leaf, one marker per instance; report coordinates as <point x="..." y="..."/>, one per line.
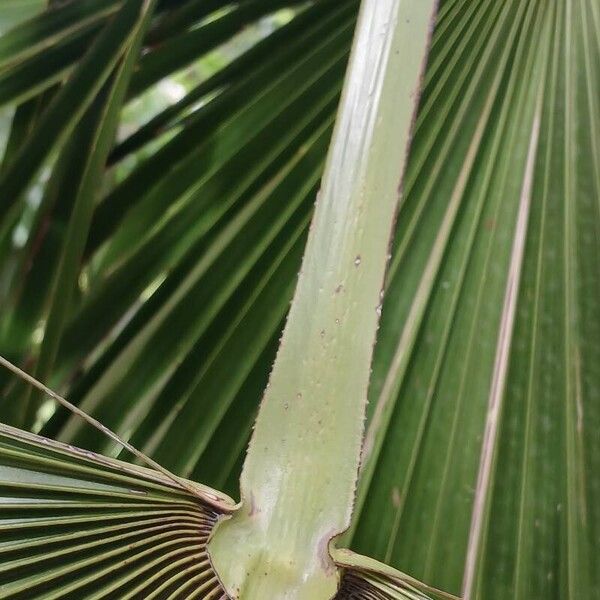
<point x="279" y="44"/>
<point x="76" y="524"/>
<point x="481" y="461"/>
<point x="223" y="126"/>
<point x="70" y="103"/>
<point x="473" y="474"/>
<point x="12" y="12"/>
<point x="178" y="51"/>
<point x="50" y="28"/>
<point x="94" y="136"/>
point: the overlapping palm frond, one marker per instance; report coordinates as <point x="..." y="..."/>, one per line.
<point x="148" y="278"/>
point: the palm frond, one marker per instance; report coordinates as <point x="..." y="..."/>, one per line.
<point x="479" y="472"/>
<point x="75" y="524"/>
